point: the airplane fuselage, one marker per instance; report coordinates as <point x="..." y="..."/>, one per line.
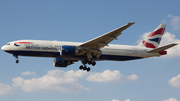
<point x="41" y="48"/>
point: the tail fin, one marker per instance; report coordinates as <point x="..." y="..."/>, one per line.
<point x="153" y="40"/>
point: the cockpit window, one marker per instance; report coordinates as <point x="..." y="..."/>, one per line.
<point x="8" y="44"/>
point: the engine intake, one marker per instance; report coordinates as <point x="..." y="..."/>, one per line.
<point x="68" y="50"/>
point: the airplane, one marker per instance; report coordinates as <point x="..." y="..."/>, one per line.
<point x="97" y="49"/>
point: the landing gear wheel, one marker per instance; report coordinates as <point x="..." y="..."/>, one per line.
<point x="84" y="68"/>
<point x="89" y="62"/>
<point x="93" y="63"/>
<point x="16" y="56"/>
<point x="81" y="67"/>
<point x="17" y="61"/>
<point x="88" y="69"/>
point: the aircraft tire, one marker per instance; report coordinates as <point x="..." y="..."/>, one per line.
<point x="88" y="69"/>
<point x="81" y="67"/>
<point x="84" y="68"/>
<point x="93" y="63"/>
<point x="89" y="62"/>
<point x="17" y="61"/>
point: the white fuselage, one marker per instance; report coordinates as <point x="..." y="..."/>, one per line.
<point x="42" y="48"/>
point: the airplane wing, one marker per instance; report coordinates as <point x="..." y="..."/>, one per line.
<point x="94" y="45"/>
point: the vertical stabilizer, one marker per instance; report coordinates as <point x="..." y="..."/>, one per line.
<point x="153" y="40"/>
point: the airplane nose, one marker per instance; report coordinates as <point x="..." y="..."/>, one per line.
<point x="3" y="48"/>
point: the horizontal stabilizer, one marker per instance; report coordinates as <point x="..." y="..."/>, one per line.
<point x="159" y="49"/>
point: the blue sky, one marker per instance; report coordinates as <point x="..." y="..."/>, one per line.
<point x="152" y="79"/>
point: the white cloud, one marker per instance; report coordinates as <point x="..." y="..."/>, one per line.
<point x="53" y="80"/>
<point x="6" y="89"/>
<point x="175" y="81"/>
<point x="111" y="77"/>
<point x="127" y="100"/>
<point x="170" y="99"/>
<point x="175" y="21"/>
<point x="145" y="35"/>
<point x="132" y="77"/>
<point x="28" y="73"/>
<point x="114" y="100"/>
<point x="59" y="80"/>
<point x="118" y="100"/>
<point x="17" y="82"/>
<point x="167" y="39"/>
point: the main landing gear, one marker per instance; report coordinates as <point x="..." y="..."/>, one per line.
<point x="84" y="62"/>
<point x="84" y="68"/>
<point x="16" y="56"/>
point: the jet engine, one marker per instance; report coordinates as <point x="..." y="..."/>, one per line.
<point x="68" y="50"/>
<point x="62" y="62"/>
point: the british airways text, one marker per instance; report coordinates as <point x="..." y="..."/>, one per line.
<point x="41" y="48"/>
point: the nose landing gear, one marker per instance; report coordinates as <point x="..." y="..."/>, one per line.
<point x="16" y="56"/>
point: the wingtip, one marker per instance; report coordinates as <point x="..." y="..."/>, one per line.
<point x="175" y="44"/>
<point x="131" y="23"/>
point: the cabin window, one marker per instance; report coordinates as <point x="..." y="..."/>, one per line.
<point x="8" y="44"/>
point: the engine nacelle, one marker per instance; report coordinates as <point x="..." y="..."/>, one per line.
<point x="61" y="62"/>
<point x="68" y="50"/>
